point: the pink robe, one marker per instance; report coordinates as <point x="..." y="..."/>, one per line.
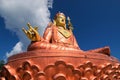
<point x="53" y="39"/>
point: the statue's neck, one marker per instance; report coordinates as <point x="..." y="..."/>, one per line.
<point x="61" y="27"/>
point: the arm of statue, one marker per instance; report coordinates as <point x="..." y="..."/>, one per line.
<point x="32" y="33"/>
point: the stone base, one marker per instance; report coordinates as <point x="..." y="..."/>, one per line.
<point x="61" y="65"/>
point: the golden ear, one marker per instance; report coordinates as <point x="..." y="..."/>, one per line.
<point x="54" y="22"/>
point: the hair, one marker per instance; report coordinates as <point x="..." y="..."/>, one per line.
<point x="58" y="14"/>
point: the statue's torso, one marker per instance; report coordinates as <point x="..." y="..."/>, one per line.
<point x="62" y="36"/>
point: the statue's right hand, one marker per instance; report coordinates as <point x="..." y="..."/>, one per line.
<point x="32" y="33"/>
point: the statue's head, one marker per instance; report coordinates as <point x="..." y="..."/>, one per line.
<point x="60" y="19"/>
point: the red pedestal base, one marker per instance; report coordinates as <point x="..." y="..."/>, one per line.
<point x="61" y="65"/>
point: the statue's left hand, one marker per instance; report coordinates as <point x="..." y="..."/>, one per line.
<point x="32" y="33"/>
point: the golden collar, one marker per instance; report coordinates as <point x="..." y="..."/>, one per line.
<point x="66" y="33"/>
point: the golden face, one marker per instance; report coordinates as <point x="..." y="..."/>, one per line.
<point x="60" y="21"/>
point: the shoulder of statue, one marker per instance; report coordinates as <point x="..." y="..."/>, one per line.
<point x="50" y="24"/>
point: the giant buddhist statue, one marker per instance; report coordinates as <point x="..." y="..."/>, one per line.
<point x="56" y="36"/>
<point x="57" y="56"/>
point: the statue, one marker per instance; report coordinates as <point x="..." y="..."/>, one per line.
<point x="57" y="37"/>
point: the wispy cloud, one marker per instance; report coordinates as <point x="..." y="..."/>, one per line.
<point x="17" y="13"/>
<point x="16" y="49"/>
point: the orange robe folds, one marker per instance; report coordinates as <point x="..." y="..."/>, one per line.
<point x="56" y="38"/>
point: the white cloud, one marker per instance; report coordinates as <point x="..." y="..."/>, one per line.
<point x="16" y="49"/>
<point x="17" y="13"/>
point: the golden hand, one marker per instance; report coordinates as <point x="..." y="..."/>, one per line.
<point x="32" y="33"/>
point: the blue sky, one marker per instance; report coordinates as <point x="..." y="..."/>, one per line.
<point x="96" y="24"/>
